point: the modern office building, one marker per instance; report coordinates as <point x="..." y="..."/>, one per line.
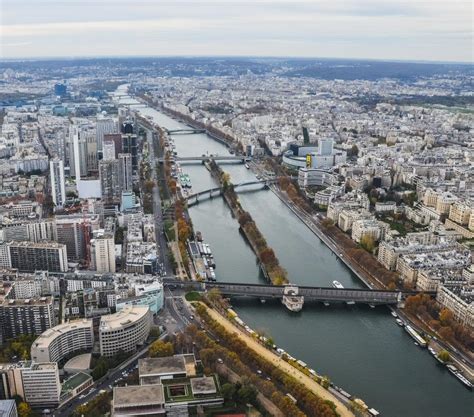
<point x="74" y="231"/>
<point x="115" y="177"/>
<point x="58" y="188"/>
<point x="31" y="316"/>
<point x="8" y="408"/>
<point x="140" y="400"/>
<point x="103" y="252"/>
<point x="61" y="341"/>
<point x="41" y="385"/>
<point x="104" y="126"/>
<point x="124" y="330"/>
<point x="150" y="295"/>
<point x="41" y="256"/>
<point x="109" y="174"/>
<point x="125" y="171"/>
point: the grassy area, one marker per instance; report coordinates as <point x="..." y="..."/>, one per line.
<point x="193" y="296"/>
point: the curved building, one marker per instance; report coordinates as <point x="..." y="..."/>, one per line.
<point x="124" y="330"/>
<point x="61" y="341"/>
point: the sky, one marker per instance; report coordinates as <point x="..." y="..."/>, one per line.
<point x="434" y="30"/>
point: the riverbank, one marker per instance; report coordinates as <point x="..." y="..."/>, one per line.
<point x="281" y="364"/>
<point x="269" y="263"/>
<point x="463" y="362"/>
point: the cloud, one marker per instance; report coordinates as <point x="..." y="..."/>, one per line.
<point x="439" y="29"/>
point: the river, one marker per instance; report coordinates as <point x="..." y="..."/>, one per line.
<point x="361" y="349"/>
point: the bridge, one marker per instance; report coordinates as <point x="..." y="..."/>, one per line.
<point x="317" y="294"/>
<point x="195" y="198"/>
<point x="201" y="159"/>
<point x="190" y="131"/>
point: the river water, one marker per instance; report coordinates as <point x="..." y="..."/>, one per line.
<point x="362" y="350"/>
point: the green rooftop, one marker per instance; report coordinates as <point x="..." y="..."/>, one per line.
<point x="75" y="381"/>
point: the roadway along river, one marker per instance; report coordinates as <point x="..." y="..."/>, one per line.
<point x="360" y="349"/>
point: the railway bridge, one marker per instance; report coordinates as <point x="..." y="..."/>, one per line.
<point x="325" y="295"/>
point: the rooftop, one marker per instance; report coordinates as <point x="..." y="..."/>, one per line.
<point x="49" y="335"/>
<point x="203" y="385"/>
<point x="129" y="315"/>
<point x="75" y="381"/>
<point x="161" y="366"/>
<point x="138" y="395"/>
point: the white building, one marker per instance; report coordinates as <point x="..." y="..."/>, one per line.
<point x="60" y="341"/>
<point x="124" y="330"/>
<point x="41" y="385"/>
<point x="58" y="188"/>
<point x="103" y="252"/>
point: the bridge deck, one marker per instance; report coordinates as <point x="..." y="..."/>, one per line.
<point x="357" y="295"/>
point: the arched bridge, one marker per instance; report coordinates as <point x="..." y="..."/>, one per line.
<point x="195" y="198"/>
<point x="190" y="131"/>
<point x="320" y="294"/>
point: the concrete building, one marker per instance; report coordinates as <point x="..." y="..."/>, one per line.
<point x="103" y="252"/>
<point x="104" y="126"/>
<point x="61" y="341"/>
<point x="26" y="316"/>
<point x="58" y="188"/>
<point x="41" y="256"/>
<point x="41" y="385"/>
<point x="311" y="177"/>
<point x="140" y="400"/>
<point x="8" y="408"/>
<point x="124" y="330"/>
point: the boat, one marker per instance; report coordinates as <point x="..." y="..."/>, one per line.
<point x="247" y="166"/>
<point x="337" y="284"/>
<point x="399" y="322"/>
<point x="326" y="304"/>
<point x="464" y="380"/>
<point x="394" y="314"/>
<point x="414" y="334"/>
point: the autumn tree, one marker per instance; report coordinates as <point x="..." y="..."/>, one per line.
<point x="368" y="243"/>
<point x="159" y="349"/>
<point x="24" y="410"/>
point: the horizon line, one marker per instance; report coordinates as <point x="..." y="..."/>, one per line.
<point x="98" y="57"/>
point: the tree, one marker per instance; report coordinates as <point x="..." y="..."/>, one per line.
<point x="159" y="349"/>
<point x="444" y="355"/>
<point x="214" y="295"/>
<point x="446" y="317"/>
<point x="247" y="394"/>
<point x="368" y="243"/>
<point x="24" y="410"/>
<point x="228" y="391"/>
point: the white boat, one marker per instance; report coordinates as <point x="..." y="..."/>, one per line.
<point x="463" y="379"/>
<point x="326" y="304"/>
<point x="399" y="322"/>
<point x="414" y="334"/>
<point x="247" y="166"/>
<point x="337" y="284"/>
<point x="394" y="314"/>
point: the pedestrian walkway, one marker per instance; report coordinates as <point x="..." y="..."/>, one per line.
<point x="280" y="363"/>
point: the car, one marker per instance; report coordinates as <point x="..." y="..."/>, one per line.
<point x="219" y="360"/>
<point x="191" y="317"/>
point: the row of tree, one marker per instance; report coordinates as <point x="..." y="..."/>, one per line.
<point x="242" y="358"/>
<point x="441" y="320"/>
<point x="265" y="253"/>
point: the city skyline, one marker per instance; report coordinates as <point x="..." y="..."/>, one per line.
<point x="435" y="31"/>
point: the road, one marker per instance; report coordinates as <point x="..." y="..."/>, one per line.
<point x="157" y="212"/>
<point x="175" y="317"/>
<point x="281" y="364"/>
